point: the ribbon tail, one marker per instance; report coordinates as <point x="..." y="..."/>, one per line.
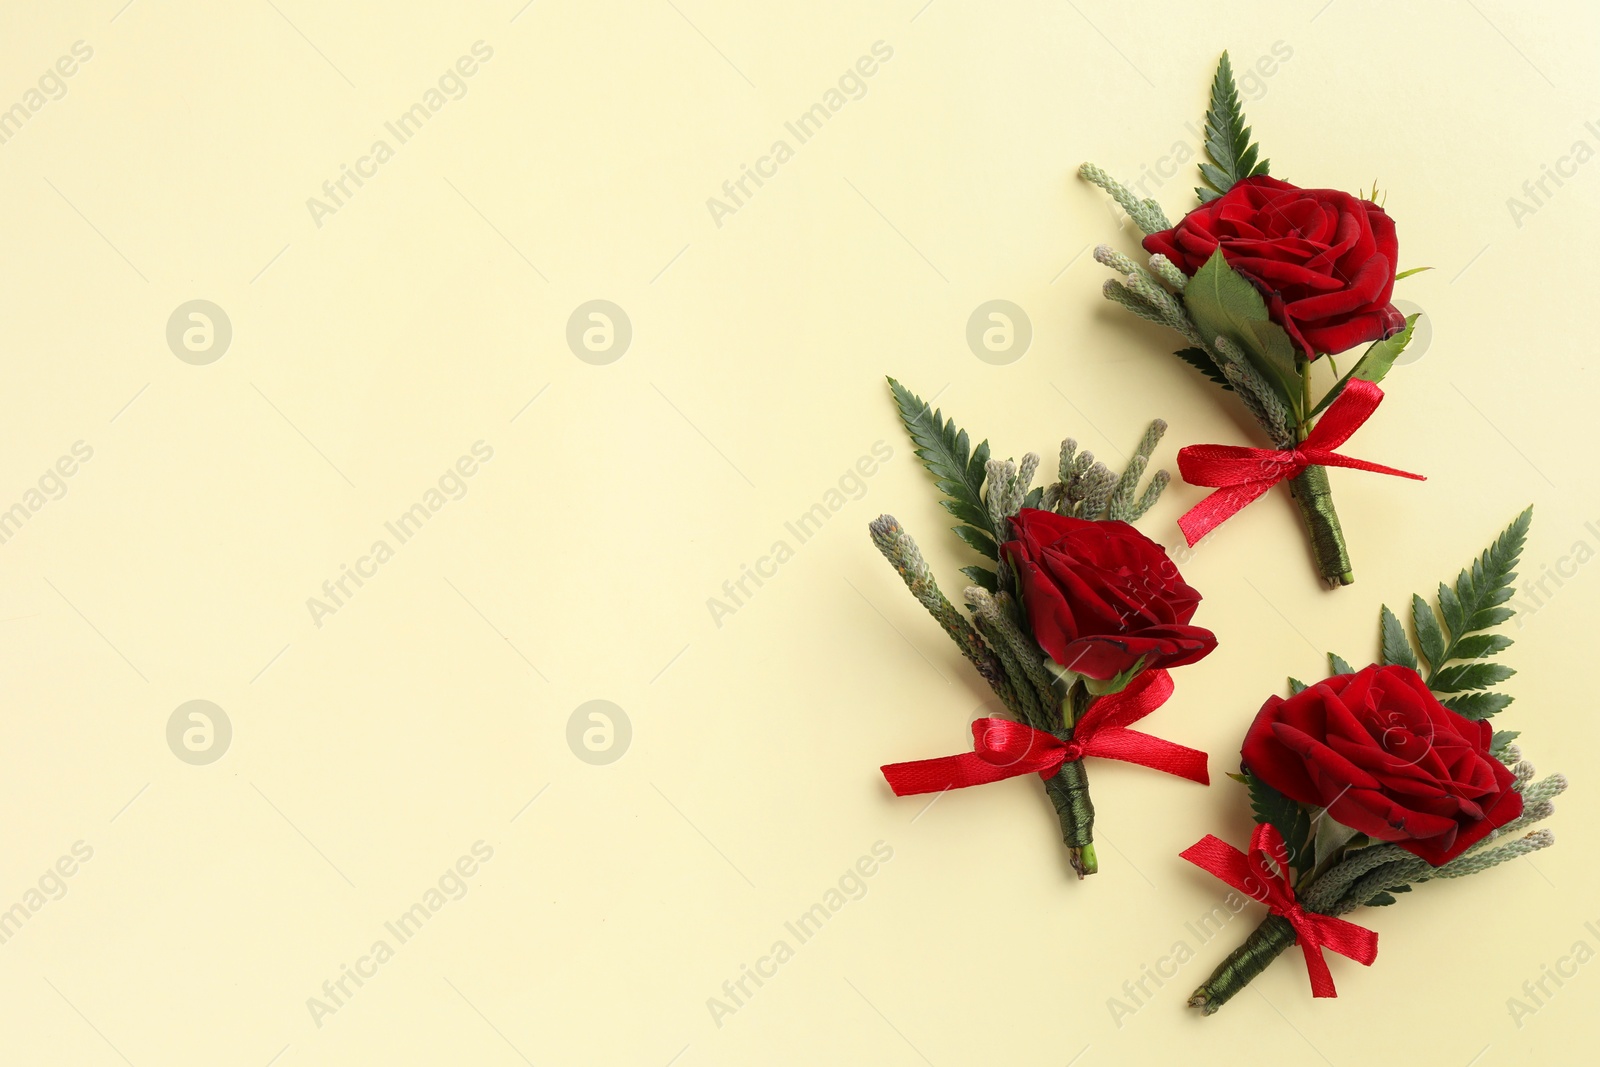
<point x="1316" y="966"/>
<point x="1219" y="507"/>
<point x="1335" y="459"/>
<point x="952" y="772"/>
<point x="1221" y="860"/>
<point x="1346" y="938"/>
<point x="1147" y="750"/>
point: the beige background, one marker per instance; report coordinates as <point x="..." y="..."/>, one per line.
<point x="429" y="312"/>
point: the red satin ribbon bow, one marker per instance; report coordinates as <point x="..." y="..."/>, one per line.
<point x="1241" y="475"/>
<point x="1263" y="875"/>
<point x="1005" y="749"/>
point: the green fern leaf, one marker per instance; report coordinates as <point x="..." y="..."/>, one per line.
<point x="1460" y="677"/>
<point x="1502" y="738"/>
<point x="977" y="540"/>
<point x="1291" y="819"/>
<point x="1477" y="705"/>
<point x="1476" y="603"/>
<point x="1233" y="155"/>
<point x="1429" y="636"/>
<point x="1396" y="649"/>
<point x="1457" y="650"/>
<point x="982" y="576"/>
<point x="958" y="469"/>
<point x="1201" y="361"/>
<point x="967" y="512"/>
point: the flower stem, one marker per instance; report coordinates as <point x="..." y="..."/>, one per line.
<point x="1069" y="792"/>
<point x="1068" y="789"/>
<point x="1314" y="497"/>
<point x="1265" y="943"/>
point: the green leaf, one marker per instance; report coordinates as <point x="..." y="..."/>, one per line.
<point x="1396" y="648"/>
<point x="1382" y="898"/>
<point x="983" y="577"/>
<point x="977" y="540"/>
<point x="1481" y="646"/>
<point x="1034" y="498"/>
<point x="1502" y="738"/>
<point x="1476" y="603"/>
<point x="1331" y="836"/>
<point x="1429" y="636"/>
<point x="966" y="512"/>
<point x="1223" y="303"/>
<point x="958" y="469"/>
<point x="1477" y="705"/>
<point x="1374" y="362"/>
<point x="1409" y="273"/>
<point x="1102" y="686"/>
<point x="1243" y="779"/>
<point x="1290" y="819"/>
<point x="1338" y="664"/>
<point x="1228" y="145"/>
<point x="1464" y="676"/>
<point x="1200" y="360"/>
<point x="1296" y="686"/>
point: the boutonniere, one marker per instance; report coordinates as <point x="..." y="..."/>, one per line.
<point x="1268" y="283"/>
<point x="1073" y="617"/>
<point x="1373" y="781"/>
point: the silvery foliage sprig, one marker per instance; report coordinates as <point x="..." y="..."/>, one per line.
<point x="985" y="493"/>
<point x="1373" y="874"/>
<point x="1149" y="293"/>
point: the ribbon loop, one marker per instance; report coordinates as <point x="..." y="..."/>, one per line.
<point x="1242" y="475"/>
<point x="1004" y="749"/>
<point x="1263" y="873"/>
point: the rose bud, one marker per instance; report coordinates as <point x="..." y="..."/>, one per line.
<point x="1378" y="750"/>
<point x="1324" y="260"/>
<point x="1102" y="597"/>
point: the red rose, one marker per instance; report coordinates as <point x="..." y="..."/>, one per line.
<point x="1378" y="750"/>
<point x="1324" y="260"/>
<point x="1101" y="596"/>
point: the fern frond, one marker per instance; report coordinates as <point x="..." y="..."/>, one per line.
<point x="1233" y="155"/>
